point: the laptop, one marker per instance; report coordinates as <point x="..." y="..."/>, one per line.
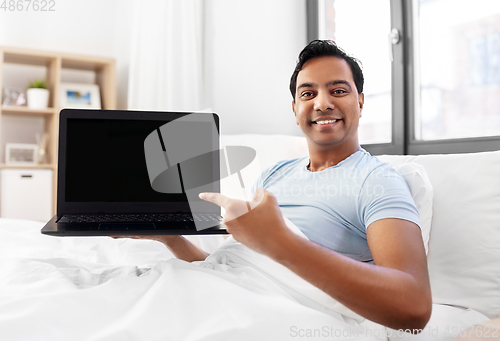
<point x="126" y="173"/>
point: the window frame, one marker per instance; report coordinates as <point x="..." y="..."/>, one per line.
<point x="404" y="141"/>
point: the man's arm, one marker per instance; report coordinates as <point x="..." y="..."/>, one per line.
<point x="184" y="249"/>
<point x="394" y="292"/>
<point x="179" y="246"/>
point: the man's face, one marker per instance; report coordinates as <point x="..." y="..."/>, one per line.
<point x="327" y="105"/>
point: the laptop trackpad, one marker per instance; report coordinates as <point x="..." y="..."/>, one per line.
<point x="126" y="226"/>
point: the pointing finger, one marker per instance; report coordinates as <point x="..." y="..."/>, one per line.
<point x="216" y="198"/>
<point x="234" y="207"/>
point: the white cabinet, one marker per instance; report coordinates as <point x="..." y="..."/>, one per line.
<point x="26" y="193"/>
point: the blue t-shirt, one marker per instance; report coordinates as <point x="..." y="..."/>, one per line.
<point x="334" y="207"/>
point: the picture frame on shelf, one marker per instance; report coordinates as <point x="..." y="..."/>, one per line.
<point x="21" y="153"/>
<point x="79" y="96"/>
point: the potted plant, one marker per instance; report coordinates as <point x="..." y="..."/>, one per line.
<point x="38" y="95"/>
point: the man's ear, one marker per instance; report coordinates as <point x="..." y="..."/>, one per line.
<point x="293" y="109"/>
<point x="361" y="101"/>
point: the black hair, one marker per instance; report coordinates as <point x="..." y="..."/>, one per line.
<point x="320" y="48"/>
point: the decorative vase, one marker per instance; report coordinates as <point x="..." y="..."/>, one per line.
<point x="38" y="98"/>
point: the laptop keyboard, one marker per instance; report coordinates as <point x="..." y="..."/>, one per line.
<point x="132" y="218"/>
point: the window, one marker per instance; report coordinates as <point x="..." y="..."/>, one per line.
<point x="343" y="27"/>
<point x="432" y="70"/>
<point x="459" y="81"/>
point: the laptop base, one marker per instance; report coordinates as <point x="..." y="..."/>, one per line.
<point x="126" y="229"/>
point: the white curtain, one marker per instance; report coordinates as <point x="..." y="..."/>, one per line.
<point x="166" y="64"/>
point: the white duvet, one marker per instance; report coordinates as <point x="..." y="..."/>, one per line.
<point x="99" y="288"/>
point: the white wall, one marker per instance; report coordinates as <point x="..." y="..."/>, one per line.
<point x="250" y="51"/>
<point x="90" y="27"/>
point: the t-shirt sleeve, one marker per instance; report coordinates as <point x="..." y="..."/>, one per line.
<point x="258" y="183"/>
<point x="385" y="194"/>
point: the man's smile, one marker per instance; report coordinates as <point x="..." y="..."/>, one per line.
<point x="326" y="122"/>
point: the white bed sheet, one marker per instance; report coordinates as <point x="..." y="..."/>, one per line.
<point x="99" y="288"/>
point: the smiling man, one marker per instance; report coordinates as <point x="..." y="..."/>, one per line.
<point x="364" y="245"/>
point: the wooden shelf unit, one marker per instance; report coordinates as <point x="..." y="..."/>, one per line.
<point x="104" y="69"/>
<point x="24" y="110"/>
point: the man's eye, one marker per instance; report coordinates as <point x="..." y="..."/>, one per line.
<point x="339" y="91"/>
<point x="306" y="94"/>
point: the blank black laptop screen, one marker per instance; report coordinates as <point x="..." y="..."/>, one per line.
<point x="105" y="161"/>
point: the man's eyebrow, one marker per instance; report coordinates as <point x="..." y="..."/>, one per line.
<point x="339" y="81"/>
<point x="306" y="85"/>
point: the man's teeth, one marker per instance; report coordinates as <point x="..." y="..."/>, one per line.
<point x="326" y="121"/>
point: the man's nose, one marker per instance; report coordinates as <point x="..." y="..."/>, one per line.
<point x="323" y="102"/>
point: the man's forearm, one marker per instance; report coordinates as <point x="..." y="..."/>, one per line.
<point x="384" y="295"/>
<point x="184" y="249"/>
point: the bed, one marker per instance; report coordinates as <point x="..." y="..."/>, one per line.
<point x="99" y="288"/>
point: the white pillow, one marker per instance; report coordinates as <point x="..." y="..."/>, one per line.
<point x="464" y="245"/>
<point x="270" y="148"/>
<point x="422" y="192"/>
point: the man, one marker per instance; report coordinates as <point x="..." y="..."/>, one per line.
<point x="365" y="247"/>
